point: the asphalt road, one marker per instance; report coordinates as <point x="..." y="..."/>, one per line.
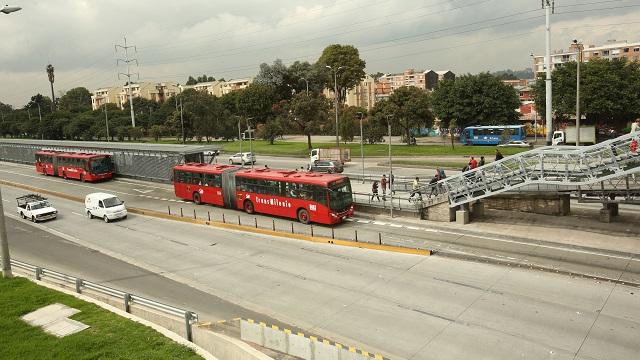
<point x="509" y="249"/>
<point x="407" y="307"/>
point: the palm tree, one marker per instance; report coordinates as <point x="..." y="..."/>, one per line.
<point x="51" y="79"/>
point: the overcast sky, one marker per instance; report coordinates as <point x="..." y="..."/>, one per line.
<point x="230" y="38"/>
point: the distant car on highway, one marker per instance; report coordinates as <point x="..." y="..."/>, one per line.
<point x="242" y="158"/>
<point x="105" y="206"/>
<point x="517" y="143"/>
<point x="328" y="166"/>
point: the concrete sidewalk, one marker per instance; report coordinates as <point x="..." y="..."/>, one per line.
<point x="580" y="229"/>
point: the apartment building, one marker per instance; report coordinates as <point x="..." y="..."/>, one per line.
<point x="523" y="87"/>
<point x="234" y="85"/>
<point x="105" y="96"/>
<point x="425" y="80"/>
<point x="610" y="50"/>
<point x="362" y="95"/>
<point x="212" y="87"/>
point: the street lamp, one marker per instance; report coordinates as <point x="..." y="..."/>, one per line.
<point x="250" y="142"/>
<point x="9" y="9"/>
<point x="578" y="60"/>
<point x="362" y="145"/>
<point x="335" y="96"/>
<point x="181" y="117"/>
<point x="306" y="81"/>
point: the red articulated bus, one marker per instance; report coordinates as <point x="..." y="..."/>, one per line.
<point x="308" y="197"/>
<point x="70" y="165"/>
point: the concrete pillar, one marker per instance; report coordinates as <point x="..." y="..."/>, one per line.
<point x="614" y="209"/>
<point x="565" y="204"/>
<point x="477" y="209"/>
<point x="606" y="215"/>
<point x="462" y="217"/>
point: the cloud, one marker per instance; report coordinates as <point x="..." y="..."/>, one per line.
<point x="228" y="38"/>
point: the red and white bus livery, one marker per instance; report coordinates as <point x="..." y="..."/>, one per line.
<point x="306" y="196"/>
<point x="70" y="165"/>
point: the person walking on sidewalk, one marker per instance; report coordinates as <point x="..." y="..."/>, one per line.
<point x="383" y="184"/>
<point x="374" y="191"/>
<point x="635" y="126"/>
<point x="473" y="163"/>
<point x="499" y="155"/>
<point x="482" y="162"/>
<point x="415" y="188"/>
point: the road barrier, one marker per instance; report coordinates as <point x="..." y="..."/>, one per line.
<point x="127" y="298"/>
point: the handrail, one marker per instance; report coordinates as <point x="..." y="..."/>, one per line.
<point x="128" y="298"/>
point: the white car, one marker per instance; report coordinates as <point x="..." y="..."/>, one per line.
<point x="242" y="158"/>
<point x="35" y="208"/>
<point x="516" y="143"/>
<point x="105" y="206"/>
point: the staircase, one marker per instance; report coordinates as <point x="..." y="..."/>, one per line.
<point x="547" y="166"/>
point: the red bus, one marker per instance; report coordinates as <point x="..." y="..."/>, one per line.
<point x="308" y="197"/>
<point x="70" y="165"/>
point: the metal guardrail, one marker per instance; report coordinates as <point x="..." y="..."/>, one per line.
<point x="127" y="298"/>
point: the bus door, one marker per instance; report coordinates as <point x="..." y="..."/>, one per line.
<point x="229" y="188"/>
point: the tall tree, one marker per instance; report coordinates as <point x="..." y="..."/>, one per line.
<point x="411" y="110"/>
<point x="76" y="100"/>
<point x="256" y="101"/>
<point x="351" y="73"/>
<point x="443" y="102"/>
<point x="307" y="113"/>
<point x="481" y="99"/>
<point x="51" y="76"/>
<point x="278" y="77"/>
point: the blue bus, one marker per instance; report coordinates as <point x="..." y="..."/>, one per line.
<point x="491" y="135"/>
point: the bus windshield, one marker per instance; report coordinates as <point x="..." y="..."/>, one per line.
<point x="340" y="197"/>
<point x="100" y="165"/>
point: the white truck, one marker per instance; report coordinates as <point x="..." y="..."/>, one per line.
<point x="569" y="135"/>
<point x="35" y="208"/>
<point x="341" y="154"/>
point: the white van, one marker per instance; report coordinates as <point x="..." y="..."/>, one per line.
<point x="105" y="206"/>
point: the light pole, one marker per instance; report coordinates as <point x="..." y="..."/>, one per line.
<point x="106" y="120"/>
<point x="335" y="96"/>
<point x="306" y="81"/>
<point x="240" y="138"/>
<point x="362" y="145"/>
<point x="548" y="6"/>
<point x="250" y="142"/>
<point x="579" y="60"/>
<point x="390" y="164"/>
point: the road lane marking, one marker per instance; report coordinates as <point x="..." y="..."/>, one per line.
<point x="75" y="213"/>
<point x="142" y="191"/>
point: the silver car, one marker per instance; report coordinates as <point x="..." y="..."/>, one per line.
<point x="242" y="158"/>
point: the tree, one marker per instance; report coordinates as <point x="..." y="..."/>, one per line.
<point x="200" y="79"/>
<point x="156" y="131"/>
<point x="377" y="75"/>
<point x="270" y="130"/>
<point x="352" y="72"/>
<point x="481" y="99"/>
<point x="306" y="112"/>
<point x="350" y="122"/>
<point x="278" y="77"/>
<point x="191" y="81"/>
<point x="51" y="76"/>
<point x="411" y="109"/>
<point x="443" y="102"/>
<point x="76" y="100"/>
<point x="256" y="102"/>
<point x="609" y="92"/>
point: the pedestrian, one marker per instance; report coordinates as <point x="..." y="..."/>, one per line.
<point x="442" y="174"/>
<point x="374" y="191"/>
<point x="481" y="163"/>
<point x="415" y="188"/>
<point x="499" y="155"/>
<point x="635" y="126"/>
<point x="391" y="188"/>
<point x="473" y="163"/>
<point x="383" y="184"/>
<point x="266" y="167"/>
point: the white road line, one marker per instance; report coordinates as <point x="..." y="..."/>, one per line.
<point x="395" y="225"/>
<point x="413" y="228"/>
<point x="75" y="213"/>
<point x="379" y="223"/>
<point x="5" y="200"/>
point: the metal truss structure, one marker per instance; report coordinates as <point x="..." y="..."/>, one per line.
<point x="607" y="169"/>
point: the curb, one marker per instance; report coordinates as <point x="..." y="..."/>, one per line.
<point x="244" y="228"/>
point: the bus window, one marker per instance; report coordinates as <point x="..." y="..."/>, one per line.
<point x="196" y="178"/>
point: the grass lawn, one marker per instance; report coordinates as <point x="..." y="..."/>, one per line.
<point x="281" y="148"/>
<point x="109" y="337"/>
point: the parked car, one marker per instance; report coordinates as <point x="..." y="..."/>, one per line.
<point x="35" y="208"/>
<point x="516" y="143"/>
<point x="105" y="206"/>
<point x="328" y="166"/>
<point x="242" y="158"/>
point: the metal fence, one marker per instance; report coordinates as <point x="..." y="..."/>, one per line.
<point x="127" y="299"/>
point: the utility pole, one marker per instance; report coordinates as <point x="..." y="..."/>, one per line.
<point x="40" y="116"/>
<point x="335" y="96"/>
<point x="250" y="142"/>
<point x="4" y="244"/>
<point x="362" y="145"/>
<point x="579" y="60"/>
<point x="307" y="81"/>
<point x="182" y="117"/>
<point x="548" y="5"/>
<point x="128" y="74"/>
<point x="240" y="138"/>
<point x="106" y="120"/>
<point x="390" y="165"/>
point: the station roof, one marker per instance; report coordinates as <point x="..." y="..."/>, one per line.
<point x="114" y="146"/>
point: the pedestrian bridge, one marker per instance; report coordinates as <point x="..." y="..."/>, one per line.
<point x="608" y="167"/>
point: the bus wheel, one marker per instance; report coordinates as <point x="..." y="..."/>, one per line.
<point x="303" y="216"/>
<point x="196" y="198"/>
<point x="248" y="207"/>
